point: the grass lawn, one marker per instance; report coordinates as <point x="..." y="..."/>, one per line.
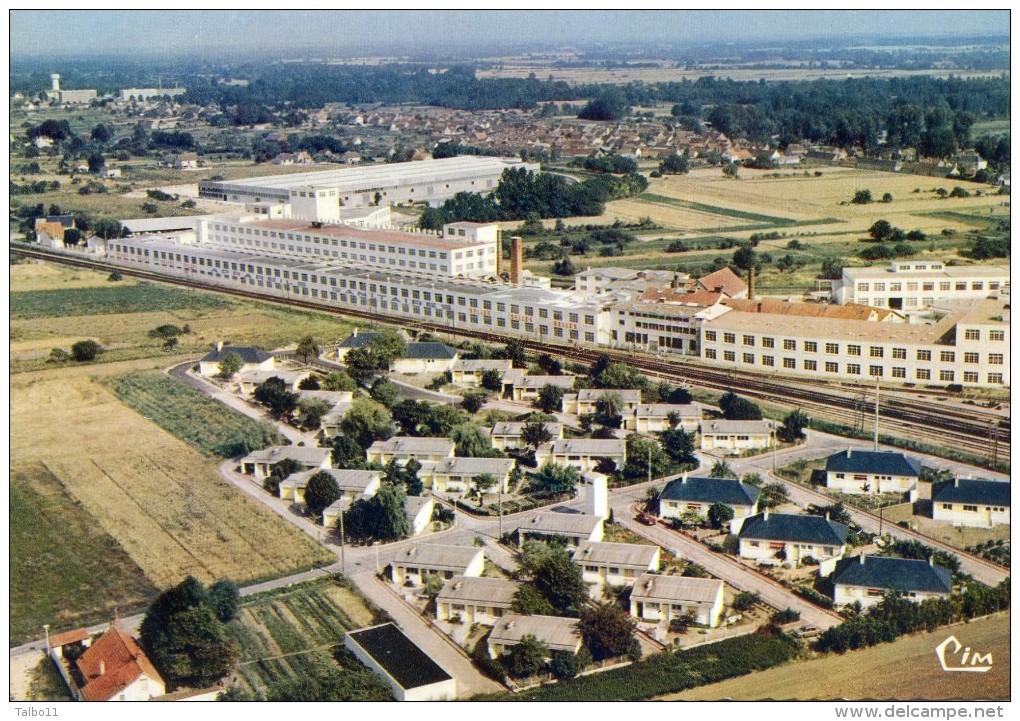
<point x="190" y="415"/>
<point x="111" y="299"/>
<point x="285" y="634"/>
<point x="59" y="552"/>
<point x="905" y="669"/>
<point x="960" y="537"/>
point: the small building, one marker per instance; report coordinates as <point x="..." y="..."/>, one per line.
<point x="353" y="484"/>
<point x="575" y="527"/>
<point x="425" y="358"/>
<point x="507" y="434"/>
<point x="114" y="668"/>
<point x="260" y="463"/>
<point x="250" y="380"/>
<point x="736" y="436"/>
<point x="416" y="564"/>
<point x="615" y="564"/>
<point x="871" y="472"/>
<point x="520" y="387"/>
<point x="781" y="537"/>
<point x="467" y="373"/>
<point x="971" y="502"/>
<point x="553" y="632"/>
<point x="583" y="453"/>
<point x="686" y="495"/>
<point x="419" y="511"/>
<point x="252" y="359"/>
<point x="457" y="475"/>
<point x="476" y="600"/>
<point x="866" y="579"/>
<point x="108" y="172"/>
<point x="404" y="448"/>
<point x="654" y="417"/>
<point x="586" y="400"/>
<point x="656" y="598"/>
<point x="411" y="673"/>
<point x="188" y="161"/>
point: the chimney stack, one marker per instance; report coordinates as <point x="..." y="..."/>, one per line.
<point x="849" y="451"/>
<point x="766" y="517"/>
<point x="862" y="559"/>
<point x="750" y="283"/>
<point x="516" y="260"/>
<point x="219" y="346"/>
<point x="102" y="667"/>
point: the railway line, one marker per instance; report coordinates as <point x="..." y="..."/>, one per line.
<point x="975" y="430"/>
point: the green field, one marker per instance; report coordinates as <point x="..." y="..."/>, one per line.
<point x="110" y="300"/>
<point x="290" y="634"/>
<point x="192" y="416"/>
<point x="716" y="210"/>
<point x="59" y="552"/>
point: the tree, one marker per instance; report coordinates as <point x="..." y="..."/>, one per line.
<point x="311" y="383"/>
<point x="470" y="441"/>
<point x="472" y="402"/>
<point x="381" y="517"/>
<point x="441" y="420"/>
<point x="862" y="197"/>
<point x="792" y="429"/>
<point x="526" y="658"/>
<point x="492" y="380"/>
<point x="312" y="411"/>
<point x="832" y="268"/>
<point x="483" y="482"/>
<point x="618" y="375"/>
<point x="608" y="408"/>
<point x="322" y="490"/>
<point x="745" y="258"/>
<point x="564" y="266"/>
<point x="550" y="398"/>
<point x="337" y="381"/>
<point x="555" y="576"/>
<point x="880" y="230"/>
<point x="607" y="631"/>
<point x="386" y="346"/>
<point x="772" y="495"/>
<point x="85" y="351"/>
<point x="641" y="451"/>
<point x="185" y="639"/>
<point x="107" y="228"/>
<point x="361" y="364"/>
<point x="274" y="395"/>
<point x="719" y="514"/>
<point x="366" y="422"/>
<point x="745" y="600"/>
<point x="731" y="170"/>
<point x="735" y="408"/>
<point x="675" y="164"/>
<point x="529" y="601"/>
<point x="535" y="433"/>
<point x="385" y="392"/>
<point x="347" y="453"/>
<point x="229" y="365"/>
<point x="100" y="133"/>
<point x="566" y="665"/>
<point x="307" y="347"/>
<point x="431" y="219"/>
<point x="515" y="352"/>
<point x="555" y="478"/>
<point x="225" y="599"/>
<point x="721" y="469"/>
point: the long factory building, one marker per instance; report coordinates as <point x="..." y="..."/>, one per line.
<point x="451" y="278"/>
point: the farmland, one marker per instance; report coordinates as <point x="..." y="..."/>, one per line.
<point x="190" y="415"/>
<point x="57" y="553"/>
<point x="287" y="635"/>
<point x="112" y="299"/>
<point x="904" y="669"/>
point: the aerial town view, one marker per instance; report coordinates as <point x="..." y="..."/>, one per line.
<point x="520" y="355"/>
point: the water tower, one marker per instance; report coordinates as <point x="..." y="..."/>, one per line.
<point x="55" y="79"/>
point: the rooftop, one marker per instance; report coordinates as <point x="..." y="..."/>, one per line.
<point x="493" y="591"/>
<point x="556" y="633"/>
<point x="475" y="466"/>
<point x="710" y="490"/>
<point x="346" y="479"/>
<point x="593" y="394"/>
<point x="513" y="428"/>
<point x="622" y="554"/>
<point x="886" y="463"/>
<point x="588" y="446"/>
<point x="112" y="663"/>
<point x="429" y="555"/>
<point x="969" y="490"/>
<point x="275" y="454"/>
<point x="413" y="444"/>
<point x="794" y="528"/>
<point x="724" y="426"/>
<point x="676" y="588"/>
<point x="248" y="354"/>
<point x="894" y="574"/>
<point x="850" y="311"/>
<point x="430" y="350"/>
<point x="399" y="656"/>
<point x="661" y="410"/>
<point x="566" y="523"/>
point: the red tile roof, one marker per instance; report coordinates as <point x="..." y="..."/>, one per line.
<point x="62" y="639"/>
<point x="726" y="279"/>
<point x="122" y="662"/>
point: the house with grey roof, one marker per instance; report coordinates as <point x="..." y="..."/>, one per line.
<point x="458" y="475"/>
<point x="736" y="436"/>
<point x="358" y="339"/>
<point x="353" y="484"/>
<point x="476" y="600"/>
<point x="616" y="564"/>
<point x="260" y="463"/>
<point x="507" y="434"/>
<point x="526" y="388"/>
<point x="586" y="400"/>
<point x="467" y="373"/>
<point x="575" y="527"/>
<point x="871" y="472"/>
<point x="582" y="453"/>
<point x="654" y="417"/>
<point x="250" y="380"/>
<point x="553" y="632"/>
<point x="252" y="359"/>
<point x="774" y="538"/>
<point x="971" y="502"/>
<point x="867" y="579"/>
<point x="419" y="511"/>
<point x="660" y="599"/>
<point x="404" y="448"/>
<point x="415" y="565"/>
<point x="694" y="494"/>
<point x="425" y="358"/>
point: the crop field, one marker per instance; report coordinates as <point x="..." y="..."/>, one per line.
<point x="162" y="501"/>
<point x="905" y="669"/>
<point x="286" y="634"/>
<point x="189" y="414"/>
<point x="58" y="552"/>
<point x="112" y="299"/>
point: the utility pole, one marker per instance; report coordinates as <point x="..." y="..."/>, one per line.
<point x="775" y="443"/>
<point x="880" y="514"/>
<point x="499" y="506"/>
<point x="877" y="381"/>
<point x="343" y="556"/>
<point x="649" y="464"/>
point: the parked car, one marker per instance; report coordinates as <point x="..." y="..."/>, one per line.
<point x="808" y="630"/>
<point x="646" y="519"/>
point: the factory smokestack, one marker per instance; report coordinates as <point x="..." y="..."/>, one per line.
<point x="750" y="283"/>
<point x="516" y="260"/>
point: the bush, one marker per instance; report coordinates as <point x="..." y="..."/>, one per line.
<point x="85" y="351"/>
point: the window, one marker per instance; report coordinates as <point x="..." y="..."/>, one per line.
<point x="768" y="360"/>
<point x="970" y="377"/>
<point x="997" y="335"/>
<point x="768" y="342"/>
<point x="710" y="353"/>
<point x="971" y="358"/>
<point x="879" y="287"/>
<point x="947" y="376"/>
<point x="995" y="377"/>
<point x="876" y="351"/>
<point x="729" y="355"/>
<point x="832" y="348"/>
<point x="924" y="355"/>
<point x="898" y="372"/>
<point x="972" y="334"/>
<point x="729" y="337"/>
<point x="709" y="335"/>
<point x="899" y="353"/>
<point x="995" y="359"/>
<point x="947" y="356"/>
<point x="789" y="362"/>
<point x="923" y="374"/>
<point x="961" y="285"/>
<point x="853" y="369"/>
<point x="810" y="346"/>
<point x="789" y="344"/>
<point x="853" y="350"/>
<point x="749" y="358"/>
<point x="944" y="285"/>
<point x="863" y="287"/>
<point x="875" y="371"/>
<point x="831" y="367"/>
<point x="972" y="509"/>
<point x="810" y="365"/>
<point x="749" y="340"/>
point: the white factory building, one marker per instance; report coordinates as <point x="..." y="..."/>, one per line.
<point x="912" y="285"/>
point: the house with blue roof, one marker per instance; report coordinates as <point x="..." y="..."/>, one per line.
<point x="860" y="472"/>
<point x="773" y="538"/>
<point x="252" y="359"/>
<point x="971" y="502"/>
<point x="684" y="495"/>
<point x="426" y="358"/>
<point x="867" y="579"/>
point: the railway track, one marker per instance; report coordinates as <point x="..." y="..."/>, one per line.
<point x="978" y="431"/>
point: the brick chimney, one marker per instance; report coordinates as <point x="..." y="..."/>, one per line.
<point x="500" y="264"/>
<point x="750" y="283"/>
<point x="516" y="260"/>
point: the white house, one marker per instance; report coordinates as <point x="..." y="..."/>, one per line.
<point x="353" y="484"/>
<point x="616" y="564"/>
<point x="654" y="417"/>
<point x="526" y="388"/>
<point x="507" y="434"/>
<point x="260" y="463"/>
<point x="970" y="502"/>
<point x="425" y="358"/>
<point x="340" y="402"/>
<point x="586" y="400"/>
<point x="467" y="373"/>
<point x="404" y="448"/>
<point x="866" y="579"/>
<point x="252" y="359"/>
<point x="416" y="564"/>
<point x="583" y="453"/>
<point x="575" y="527"/>
<point x="686" y="495"/>
<point x="771" y="538"/>
<point x="250" y="380"/>
<point x="457" y="475"/>
<point x="419" y="512"/>
<point x="113" y="668"/>
<point x="476" y="600"/>
<point x="656" y="598"/>
<point x="411" y="673"/>
<point x="554" y="632"/>
<point x="871" y="472"/>
<point x="736" y="435"/>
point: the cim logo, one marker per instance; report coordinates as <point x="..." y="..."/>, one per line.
<point x="951" y="658"/>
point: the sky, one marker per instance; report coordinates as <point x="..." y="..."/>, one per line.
<point x="355" y="32"/>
